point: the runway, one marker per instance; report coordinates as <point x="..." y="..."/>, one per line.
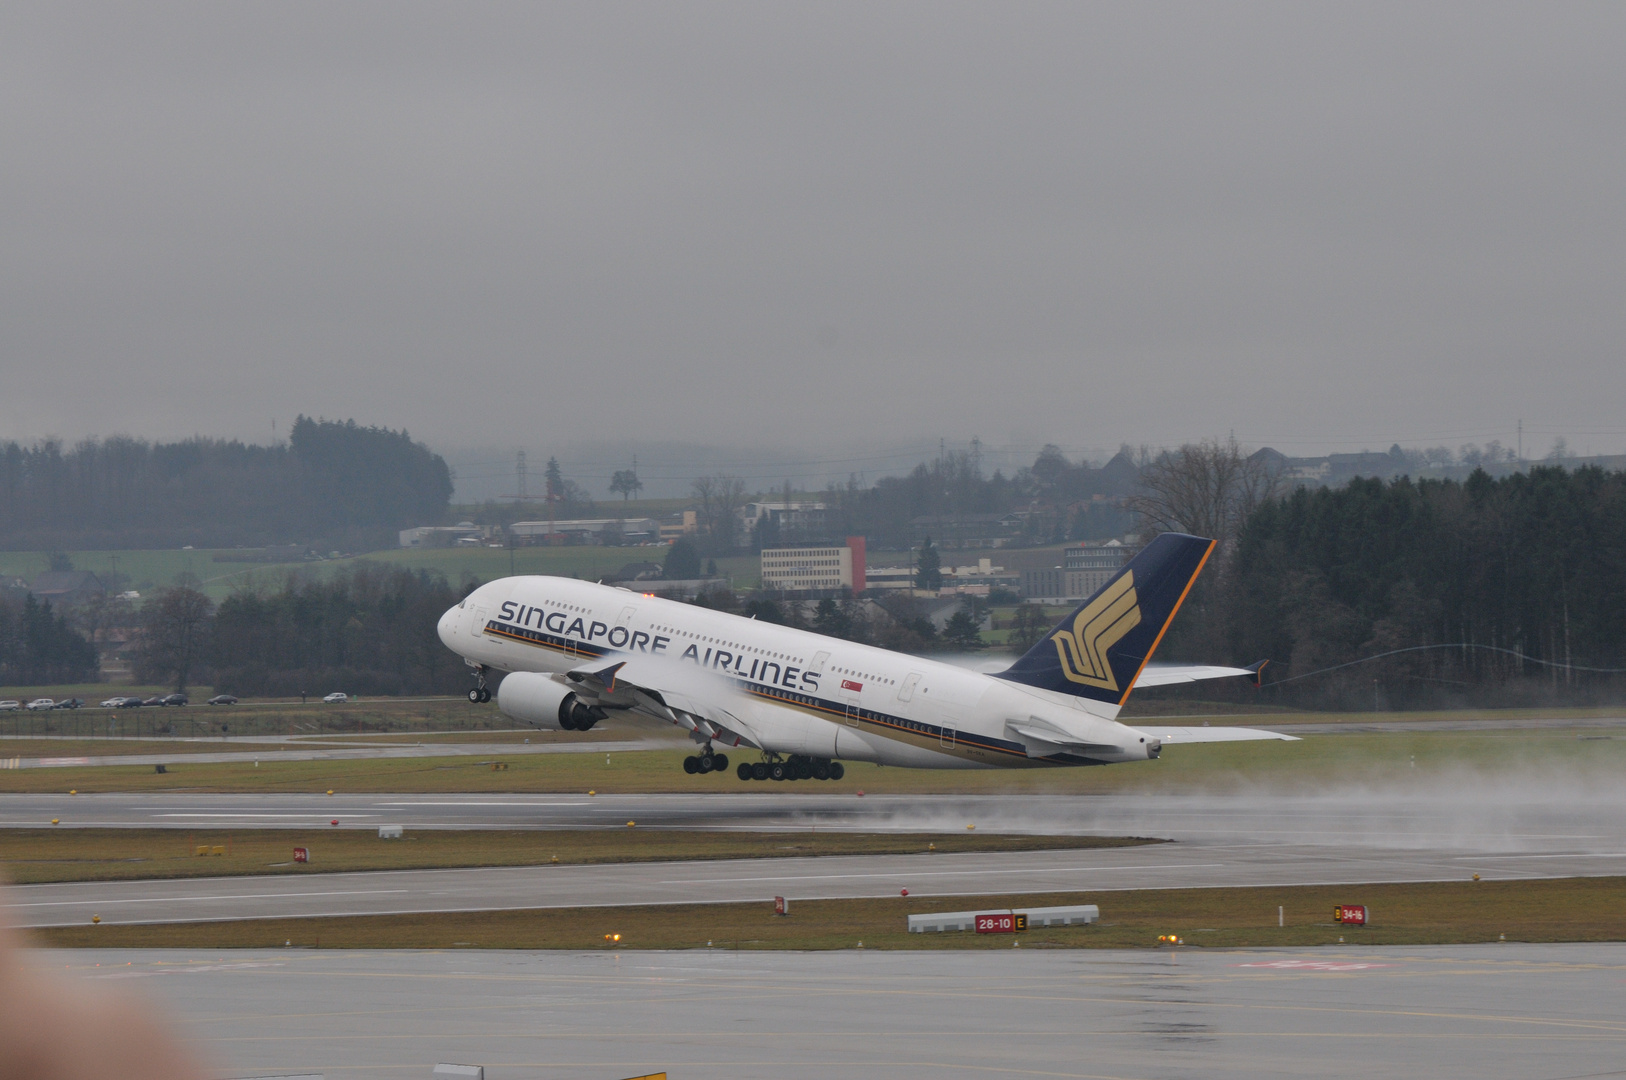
<point x="1158" y="866"/>
<point x="1511" y="1011"/>
<point x="1506" y="814"/>
<point x="1221" y="840"/>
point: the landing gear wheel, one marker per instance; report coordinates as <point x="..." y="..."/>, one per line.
<point x="691" y="764"/>
<point x="836" y="770"/>
<point x="759" y="771"/>
<point x="776" y="771"/>
<point x="719" y="762"/>
<point x="474" y="696"/>
<point x="706" y="763"/>
<point x="744" y="771"/>
<point x="821" y="771"/>
<point x="485" y="694"/>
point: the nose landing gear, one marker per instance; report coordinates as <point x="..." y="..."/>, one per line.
<point x="480" y="694"/>
<point x="705" y="762"/>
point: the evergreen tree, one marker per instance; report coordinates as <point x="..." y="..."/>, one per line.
<point x="962" y="631"/>
<point x="682" y="561"/>
<point x="928" y="567"/>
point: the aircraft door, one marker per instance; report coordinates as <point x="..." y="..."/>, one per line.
<point x="849" y="704"/>
<point x="945" y="737"/>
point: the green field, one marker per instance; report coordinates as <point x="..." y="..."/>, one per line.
<point x="261" y="718"/>
<point x="1357" y="757"/>
<point x="1434" y="913"/>
<point x="31" y="856"/>
<point x="150" y="570"/>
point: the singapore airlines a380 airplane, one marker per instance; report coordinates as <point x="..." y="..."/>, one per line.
<point x="577" y="652"/>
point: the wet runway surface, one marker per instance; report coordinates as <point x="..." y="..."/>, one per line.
<point x="1220" y="841"/>
<point x="1513" y="1011"/>
<point x="1556" y="815"/>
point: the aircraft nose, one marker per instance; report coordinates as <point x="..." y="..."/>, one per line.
<point x="447" y="628"/>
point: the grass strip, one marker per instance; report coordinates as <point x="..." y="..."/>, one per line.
<point x="35" y="856"/>
<point x="1433" y="913"/>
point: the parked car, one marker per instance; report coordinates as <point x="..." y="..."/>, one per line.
<point x="175" y="699"/>
<point x="40" y="704"/>
<point x="156" y="699"/>
<point x="336" y="698"/>
<point x="69" y="703"/>
<point x="10" y="706"/>
<point x="222" y="699"/>
<point x="112" y="703"/>
<point x="129" y="703"/>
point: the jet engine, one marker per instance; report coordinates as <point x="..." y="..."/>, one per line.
<point x="533" y="698"/>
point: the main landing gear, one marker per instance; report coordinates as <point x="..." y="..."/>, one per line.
<point x="705" y="762"/>
<point x="795" y="767"/>
<point x="480" y="694"/>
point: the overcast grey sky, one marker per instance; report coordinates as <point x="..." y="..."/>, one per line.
<point x="808" y="227"/>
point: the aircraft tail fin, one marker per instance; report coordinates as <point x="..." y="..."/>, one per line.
<point x="1098" y="650"/>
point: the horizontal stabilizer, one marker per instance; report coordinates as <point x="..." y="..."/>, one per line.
<point x="1042" y="738"/>
<point x="1172" y="674"/>
<point x="1176" y="735"/>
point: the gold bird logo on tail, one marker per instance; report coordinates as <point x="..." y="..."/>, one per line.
<point x="1099" y="627"/>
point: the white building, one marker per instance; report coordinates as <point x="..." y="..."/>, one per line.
<point x="815" y="569"/>
<point x="633" y="529"/>
<point x="1084" y="571"/>
<point x="441" y="535"/>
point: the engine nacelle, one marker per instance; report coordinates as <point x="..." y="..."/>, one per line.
<point x="533" y="698"/>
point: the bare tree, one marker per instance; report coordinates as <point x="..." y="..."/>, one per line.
<point x="720" y="496"/>
<point x="175" y="631"/>
<point x="1206" y="488"/>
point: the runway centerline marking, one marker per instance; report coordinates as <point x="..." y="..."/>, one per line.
<point x="943" y="873"/>
<point x="1575" y="855"/>
<point x="515" y="805"/>
<point x="245" y="814"/>
<point x="197" y="899"/>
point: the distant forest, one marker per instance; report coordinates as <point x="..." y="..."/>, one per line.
<point x="332" y="486"/>
<point x="369" y="629"/>
<point x="1505" y="589"/>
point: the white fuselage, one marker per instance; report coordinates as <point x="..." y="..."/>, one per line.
<point x="800" y="692"/>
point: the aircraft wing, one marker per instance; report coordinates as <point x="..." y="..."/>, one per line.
<point x="1176" y="735"/>
<point x="1171" y="674"/>
<point x="689" y="699"/>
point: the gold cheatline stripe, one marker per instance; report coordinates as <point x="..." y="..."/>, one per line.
<point x="886" y="730"/>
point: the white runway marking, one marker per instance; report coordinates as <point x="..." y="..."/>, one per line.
<point x="1573" y="855"/>
<point x="517" y="805"/>
<point x="196" y="899"/>
<point x="943" y="873"/>
<point x="240" y="814"/>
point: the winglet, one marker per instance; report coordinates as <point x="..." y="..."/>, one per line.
<point x="1258" y="673"/>
<point x="607" y="675"/>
